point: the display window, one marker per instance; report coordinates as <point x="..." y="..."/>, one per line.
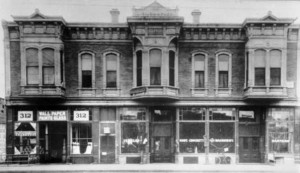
<point x="191" y="137"/>
<point x="221" y="114"/>
<point x="221" y="137"/>
<point x="82" y="138"/>
<point x="281" y="128"/>
<point x="134" y="137"/>
<point x="194" y="113"/>
<point x="25" y="138"/>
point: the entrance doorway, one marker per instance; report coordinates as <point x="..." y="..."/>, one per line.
<point x="53" y="142"/>
<point x="249" y="150"/>
<point x="162" y="136"/>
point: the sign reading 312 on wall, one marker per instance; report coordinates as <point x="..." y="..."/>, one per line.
<point x="81" y="116"/>
<point x="25" y="115"/>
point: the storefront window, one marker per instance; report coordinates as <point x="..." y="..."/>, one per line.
<point x="221" y="137"/>
<point x="133" y="137"/>
<point x="81" y="138"/>
<point x="25" y="138"/>
<point x="222" y="114"/>
<point x="281" y="127"/>
<point x="133" y="114"/>
<point x="191" y="137"/>
<point x="192" y="114"/>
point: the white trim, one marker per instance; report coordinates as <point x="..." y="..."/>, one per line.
<point x="80" y="71"/>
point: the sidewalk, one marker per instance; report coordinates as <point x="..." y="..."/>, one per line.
<point x="49" y="168"/>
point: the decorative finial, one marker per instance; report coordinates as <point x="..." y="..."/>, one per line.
<point x="37" y="10"/>
<point x="269" y="12"/>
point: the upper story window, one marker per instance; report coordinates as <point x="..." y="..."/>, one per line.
<point x="48" y="66"/>
<point x="275" y="67"/>
<point x="171" y="68"/>
<point x="32" y="66"/>
<point x="199" y="71"/>
<point x="111" y="66"/>
<point x="86" y="70"/>
<point x="139" y="67"/>
<point x="260" y="67"/>
<point x="223" y="70"/>
<point x="155" y="66"/>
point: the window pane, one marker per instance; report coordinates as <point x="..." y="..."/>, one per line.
<point x="171" y="77"/>
<point x="199" y="79"/>
<point x="155" y="76"/>
<point x="275" y="58"/>
<point x="275" y="76"/>
<point x="223" y="62"/>
<point x="139" y="77"/>
<point x="108" y="114"/>
<point x="86" y="62"/>
<point x="32" y="75"/>
<point x="260" y="58"/>
<point x="199" y="62"/>
<point x="222" y="114"/>
<point x="193" y="113"/>
<point x="32" y="57"/>
<point x="223" y="79"/>
<point x="171" y="68"/>
<point x="133" y="114"/>
<point x="81" y="139"/>
<point x="111" y="62"/>
<point x="133" y="136"/>
<point x="221" y="137"/>
<point x="48" y="57"/>
<point x="111" y="79"/>
<point x="107" y="148"/>
<point x="191" y="137"/>
<point x="87" y="79"/>
<point x="155" y="58"/>
<point x="139" y="68"/>
<point x="171" y="59"/>
<point x="259" y="76"/>
<point x="281" y="114"/>
<point x="48" y="75"/>
<point x="280" y="137"/>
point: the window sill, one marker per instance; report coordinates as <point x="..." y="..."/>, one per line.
<point x="199" y="92"/>
<point x="111" y="92"/>
<point x="87" y="91"/>
<point x="223" y="92"/>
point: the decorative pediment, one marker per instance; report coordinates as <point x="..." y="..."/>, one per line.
<point x="37" y="15"/>
<point x="155" y="9"/>
<point x="269" y="17"/>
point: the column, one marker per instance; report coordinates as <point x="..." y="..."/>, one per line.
<point x="146" y="68"/>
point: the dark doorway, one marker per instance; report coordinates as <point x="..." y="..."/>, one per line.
<point x="249" y="150"/>
<point x="53" y="142"/>
<point x="162" y="135"/>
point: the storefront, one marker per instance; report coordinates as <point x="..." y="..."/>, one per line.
<point x="183" y="135"/>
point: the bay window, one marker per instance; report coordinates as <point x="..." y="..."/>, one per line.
<point x="155" y="66"/>
<point x="260" y="67"/>
<point x="275" y="68"/>
<point x="32" y="66"/>
<point x="48" y="66"/>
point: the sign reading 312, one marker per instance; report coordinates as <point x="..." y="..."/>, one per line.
<point x="81" y="116"/>
<point x="25" y="116"/>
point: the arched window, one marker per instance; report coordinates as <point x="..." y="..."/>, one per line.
<point x="171" y="68"/>
<point x="139" y="65"/>
<point x="275" y="67"/>
<point x="155" y="67"/>
<point x="48" y="66"/>
<point x="111" y="70"/>
<point x="86" y="70"/>
<point x="32" y="66"/>
<point x="199" y="71"/>
<point x="223" y="67"/>
<point x="260" y="67"/>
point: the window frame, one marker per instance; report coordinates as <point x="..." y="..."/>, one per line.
<point x="105" y="69"/>
<point x="205" y="69"/>
<point x="160" y="67"/>
<point x="229" y="54"/>
<point x="48" y="66"/>
<point x="80" y="79"/>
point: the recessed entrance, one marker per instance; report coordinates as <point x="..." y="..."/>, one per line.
<point x="162" y="135"/>
<point x="53" y="142"/>
<point x="249" y="150"/>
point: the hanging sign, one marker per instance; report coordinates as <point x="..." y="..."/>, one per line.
<point x="246" y="114"/>
<point x="52" y="115"/>
<point x="25" y="116"/>
<point x="81" y="115"/>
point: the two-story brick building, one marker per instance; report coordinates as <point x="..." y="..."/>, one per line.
<point x="154" y="89"/>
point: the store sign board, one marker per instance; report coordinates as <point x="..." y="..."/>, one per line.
<point x="52" y="116"/>
<point x="246" y="114"/>
<point x="25" y="129"/>
<point x="81" y="115"/>
<point x="25" y="115"/>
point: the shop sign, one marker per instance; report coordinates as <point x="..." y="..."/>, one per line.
<point x="246" y="114"/>
<point x="221" y="140"/>
<point x="106" y="130"/>
<point x="25" y="129"/>
<point x="52" y="115"/>
<point x="25" y="116"/>
<point x="81" y="115"/>
<point x="280" y="141"/>
<point x="191" y="140"/>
